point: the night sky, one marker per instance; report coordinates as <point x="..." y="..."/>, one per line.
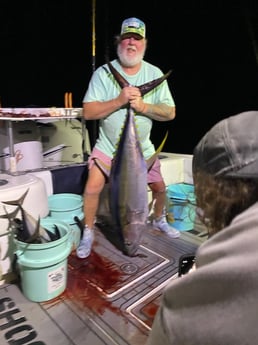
<point x="47" y="49"/>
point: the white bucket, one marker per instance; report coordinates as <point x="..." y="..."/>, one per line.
<point x="28" y="156"/>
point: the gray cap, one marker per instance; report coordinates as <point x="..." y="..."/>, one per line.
<point x="230" y="148"/>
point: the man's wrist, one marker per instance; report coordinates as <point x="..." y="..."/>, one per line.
<point x="145" y="108"/>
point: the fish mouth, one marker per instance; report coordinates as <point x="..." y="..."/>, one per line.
<point x="130" y="249"/>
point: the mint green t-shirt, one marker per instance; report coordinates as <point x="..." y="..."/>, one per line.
<point x="103" y="87"/>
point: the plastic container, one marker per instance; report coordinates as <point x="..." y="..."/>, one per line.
<point x="181" y="206"/>
<point x="65" y="206"/>
<point x="43" y="266"/>
<point x="28" y="155"/>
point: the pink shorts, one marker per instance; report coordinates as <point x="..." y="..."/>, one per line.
<point x="154" y="174"/>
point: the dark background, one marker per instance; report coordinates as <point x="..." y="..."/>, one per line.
<point x="211" y="47"/>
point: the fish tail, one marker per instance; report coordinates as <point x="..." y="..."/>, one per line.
<point x="17" y="202"/>
<point x="145" y="88"/>
<point x="10" y="215"/>
<point x="118" y="77"/>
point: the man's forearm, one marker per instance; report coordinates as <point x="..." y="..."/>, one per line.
<point x="159" y="112"/>
<point x="99" y="110"/>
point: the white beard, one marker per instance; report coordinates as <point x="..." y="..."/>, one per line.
<point x="129" y="61"/>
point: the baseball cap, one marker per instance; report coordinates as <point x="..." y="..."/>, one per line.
<point x="230" y="147"/>
<point x="133" y="25"/>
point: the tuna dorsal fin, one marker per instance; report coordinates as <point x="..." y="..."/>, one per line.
<point x="152" y="159"/>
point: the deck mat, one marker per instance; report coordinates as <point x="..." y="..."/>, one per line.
<point x="144" y="310"/>
<point x="25" y="322"/>
<point x="110" y="299"/>
<point x="110" y="271"/>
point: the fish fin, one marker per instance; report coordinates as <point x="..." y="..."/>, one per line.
<point x="10" y="216"/>
<point x="50" y="237"/>
<point x="57" y="232"/>
<point x="35" y="235"/>
<point x="80" y="225"/>
<point x="53" y="236"/>
<point x="152" y="159"/>
<point x="118" y="77"/>
<point x="40" y="234"/>
<point x="17" y="202"/>
<point x="147" y="87"/>
<point x="144" y="88"/>
<point x="43" y="233"/>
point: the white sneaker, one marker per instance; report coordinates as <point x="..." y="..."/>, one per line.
<point x="84" y="248"/>
<point x="162" y="225"/>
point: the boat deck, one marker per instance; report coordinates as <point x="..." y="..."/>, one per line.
<point x="110" y="298"/>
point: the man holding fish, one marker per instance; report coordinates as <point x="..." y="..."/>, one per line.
<point x="107" y="102"/>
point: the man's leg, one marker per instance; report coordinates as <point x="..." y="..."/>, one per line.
<point x="94" y="185"/>
<point x="158" y="188"/>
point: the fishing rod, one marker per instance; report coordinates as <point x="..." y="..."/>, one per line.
<point x="93" y="62"/>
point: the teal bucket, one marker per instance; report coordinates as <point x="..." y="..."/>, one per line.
<point x="181" y="206"/>
<point x="65" y="206"/>
<point x="43" y="266"/>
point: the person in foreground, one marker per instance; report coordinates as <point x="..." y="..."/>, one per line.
<point x="105" y="101"/>
<point x="216" y="303"/>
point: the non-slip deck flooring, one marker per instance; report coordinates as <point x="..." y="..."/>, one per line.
<point x="110" y="298"/>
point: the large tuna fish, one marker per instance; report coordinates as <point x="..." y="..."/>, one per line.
<point x="128" y="195"/>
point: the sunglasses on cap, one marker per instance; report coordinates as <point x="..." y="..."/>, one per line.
<point x="131" y="35"/>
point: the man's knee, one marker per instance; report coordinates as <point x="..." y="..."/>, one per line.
<point x="158" y="187"/>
